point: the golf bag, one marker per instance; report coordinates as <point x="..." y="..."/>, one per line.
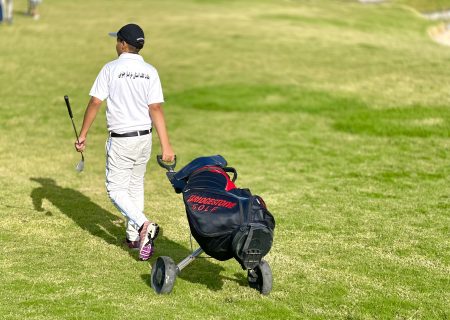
<point x="226" y="221"/>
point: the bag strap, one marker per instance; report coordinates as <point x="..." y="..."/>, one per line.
<point x="248" y="240"/>
<point x="232" y="170"/>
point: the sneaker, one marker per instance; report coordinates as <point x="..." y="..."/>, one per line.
<point x="134" y="245"/>
<point x="153" y="230"/>
<point x="147" y="235"/>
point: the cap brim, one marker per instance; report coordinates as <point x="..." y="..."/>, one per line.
<point x="113" y="34"/>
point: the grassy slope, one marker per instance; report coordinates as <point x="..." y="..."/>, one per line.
<point x="427" y="5"/>
<point x="342" y="125"/>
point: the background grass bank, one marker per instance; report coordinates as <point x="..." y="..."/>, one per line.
<point x="427" y="5"/>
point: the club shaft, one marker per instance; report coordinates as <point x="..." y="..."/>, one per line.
<point x="75" y="130"/>
<point x="69" y="109"/>
<point x="76" y="134"/>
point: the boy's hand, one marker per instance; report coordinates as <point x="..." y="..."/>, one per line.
<point x="80" y="144"/>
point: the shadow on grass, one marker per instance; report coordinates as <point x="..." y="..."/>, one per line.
<point x="86" y="214"/>
<point x="201" y="270"/>
<point x="103" y="224"/>
<point x="348" y="113"/>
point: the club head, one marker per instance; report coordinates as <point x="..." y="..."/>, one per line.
<point x="80" y="166"/>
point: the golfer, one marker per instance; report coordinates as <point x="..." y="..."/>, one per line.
<point x="134" y="98"/>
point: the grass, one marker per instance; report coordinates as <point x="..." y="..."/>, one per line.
<point x="336" y="113"/>
<point x="427" y="5"/>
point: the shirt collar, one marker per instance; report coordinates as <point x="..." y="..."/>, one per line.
<point x="133" y="56"/>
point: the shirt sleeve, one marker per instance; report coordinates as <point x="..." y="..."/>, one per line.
<point x="155" y="94"/>
<point x="100" y="88"/>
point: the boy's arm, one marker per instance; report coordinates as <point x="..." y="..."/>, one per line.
<point x="89" y="117"/>
<point x="159" y="123"/>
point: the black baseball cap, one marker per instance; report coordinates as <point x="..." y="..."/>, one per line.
<point x="131" y="34"/>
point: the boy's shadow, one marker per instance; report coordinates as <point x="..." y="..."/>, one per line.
<point x="85" y="213"/>
<point x="103" y="224"/>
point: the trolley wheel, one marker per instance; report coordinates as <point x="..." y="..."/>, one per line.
<point x="260" y="278"/>
<point x="163" y="275"/>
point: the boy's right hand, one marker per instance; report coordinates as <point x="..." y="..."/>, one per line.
<point x="167" y="154"/>
<point x="80" y="144"/>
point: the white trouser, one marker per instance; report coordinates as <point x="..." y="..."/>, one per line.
<point x="32" y="5"/>
<point x="7" y="6"/>
<point x="126" y="163"/>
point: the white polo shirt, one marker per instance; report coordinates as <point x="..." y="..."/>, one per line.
<point x="129" y="84"/>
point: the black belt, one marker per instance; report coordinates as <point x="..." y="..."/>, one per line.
<point x="130" y="134"/>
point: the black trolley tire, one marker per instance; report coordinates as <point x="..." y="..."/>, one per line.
<point x="164" y="273"/>
<point x="261" y="278"/>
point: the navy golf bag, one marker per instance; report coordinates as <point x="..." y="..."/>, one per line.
<point x="226" y="221"/>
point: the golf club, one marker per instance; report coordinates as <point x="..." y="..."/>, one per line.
<point x="80" y="165"/>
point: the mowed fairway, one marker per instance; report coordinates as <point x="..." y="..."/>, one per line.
<point x="336" y="113"/>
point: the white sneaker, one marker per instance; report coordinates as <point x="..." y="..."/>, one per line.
<point x="149" y="233"/>
<point x="153" y="230"/>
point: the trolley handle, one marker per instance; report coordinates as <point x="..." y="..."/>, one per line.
<point x="169" y="166"/>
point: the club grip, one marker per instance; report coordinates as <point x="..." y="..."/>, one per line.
<point x="66" y="98"/>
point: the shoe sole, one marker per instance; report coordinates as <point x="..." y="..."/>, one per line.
<point x="144" y="252"/>
<point x="155" y="231"/>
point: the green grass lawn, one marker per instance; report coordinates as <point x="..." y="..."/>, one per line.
<point x="336" y="113"/>
<point x="427" y="5"/>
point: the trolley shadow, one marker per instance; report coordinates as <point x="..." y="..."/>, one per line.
<point x="203" y="271"/>
<point x="110" y="228"/>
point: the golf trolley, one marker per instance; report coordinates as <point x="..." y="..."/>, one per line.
<point x="227" y="222"/>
